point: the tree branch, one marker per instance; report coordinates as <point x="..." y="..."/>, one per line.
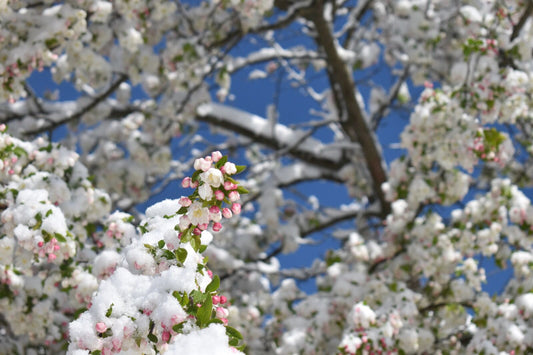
<point x="351" y="117"/>
<point x="518" y="27"/>
<point x="310" y="150"/>
<point x="122" y="78"/>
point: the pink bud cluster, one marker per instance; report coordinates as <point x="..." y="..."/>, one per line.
<point x="221" y="312"/>
<point x="48" y="249"/>
<point x="214" y="185"/>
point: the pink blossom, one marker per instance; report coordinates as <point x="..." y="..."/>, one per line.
<point x="184" y="222"/>
<point x="165" y="336"/>
<point x="101" y="327"/>
<point x="222" y="312"/>
<point x="219" y="195"/>
<point x="234" y="196"/>
<point x="223" y="299"/>
<point x="216" y="300"/>
<point x="226" y="212"/>
<point x="228" y="185"/>
<point x="236" y="208"/>
<point x="217" y="226"/>
<point x="186" y="182"/>
<point x="216" y="156"/>
<point x="185" y="201"/>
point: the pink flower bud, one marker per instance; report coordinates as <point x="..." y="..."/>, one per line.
<point x="216" y="300"/>
<point x="197" y="231"/>
<point x="203" y="226"/>
<point x="226" y="212"/>
<point x="219" y="195"/>
<point x="214" y="209"/>
<point x="222" y="312"/>
<point x="228" y="185"/>
<point x="223" y="299"/>
<point x="186" y="182"/>
<point x="185" y="201"/>
<point x="234" y="196"/>
<point x="194" y="184"/>
<point x="216" y="156"/>
<point x="40" y="244"/>
<point x="224" y="321"/>
<point x="210" y="273"/>
<point x="51" y="257"/>
<point x="236" y="208"/>
<point x="217" y="226"/>
<point x="165" y="336"/>
<point x="101" y="327"/>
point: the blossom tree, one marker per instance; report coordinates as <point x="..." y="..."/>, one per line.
<point x="415" y="112"/>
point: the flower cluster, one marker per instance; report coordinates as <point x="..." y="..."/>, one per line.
<point x="158" y="293"/>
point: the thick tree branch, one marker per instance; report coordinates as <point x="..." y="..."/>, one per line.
<point x="518" y="27"/>
<point x="351" y="117"/>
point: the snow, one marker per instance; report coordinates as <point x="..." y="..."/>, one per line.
<point x="209" y="341"/>
<point x="262" y="127"/>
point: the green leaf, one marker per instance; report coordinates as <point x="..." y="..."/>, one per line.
<point x="181" y="255"/>
<point x="242" y="190"/>
<point x="161" y="244"/>
<point x="195" y="242"/>
<point x="167" y="254"/>
<point x="51" y="43"/>
<point x="233" y="342"/>
<point x="46" y="236"/>
<point x="143" y="229"/>
<point x="204" y="313"/>
<point x="199" y="297"/>
<point x="195" y="175"/>
<point x="232" y="332"/>
<point x="213" y="285"/>
<point x="182" y="210"/>
<point x="48" y="148"/>
<point x="178" y="327"/>
<point x="215" y="320"/>
<point x="60" y="238"/>
<point x="240" y="168"/>
<point x="493" y="137"/>
<point x="221" y="162"/>
<point x="39" y="219"/>
<point x="109" y="310"/>
<point x="152" y="338"/>
<point x="20" y="152"/>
